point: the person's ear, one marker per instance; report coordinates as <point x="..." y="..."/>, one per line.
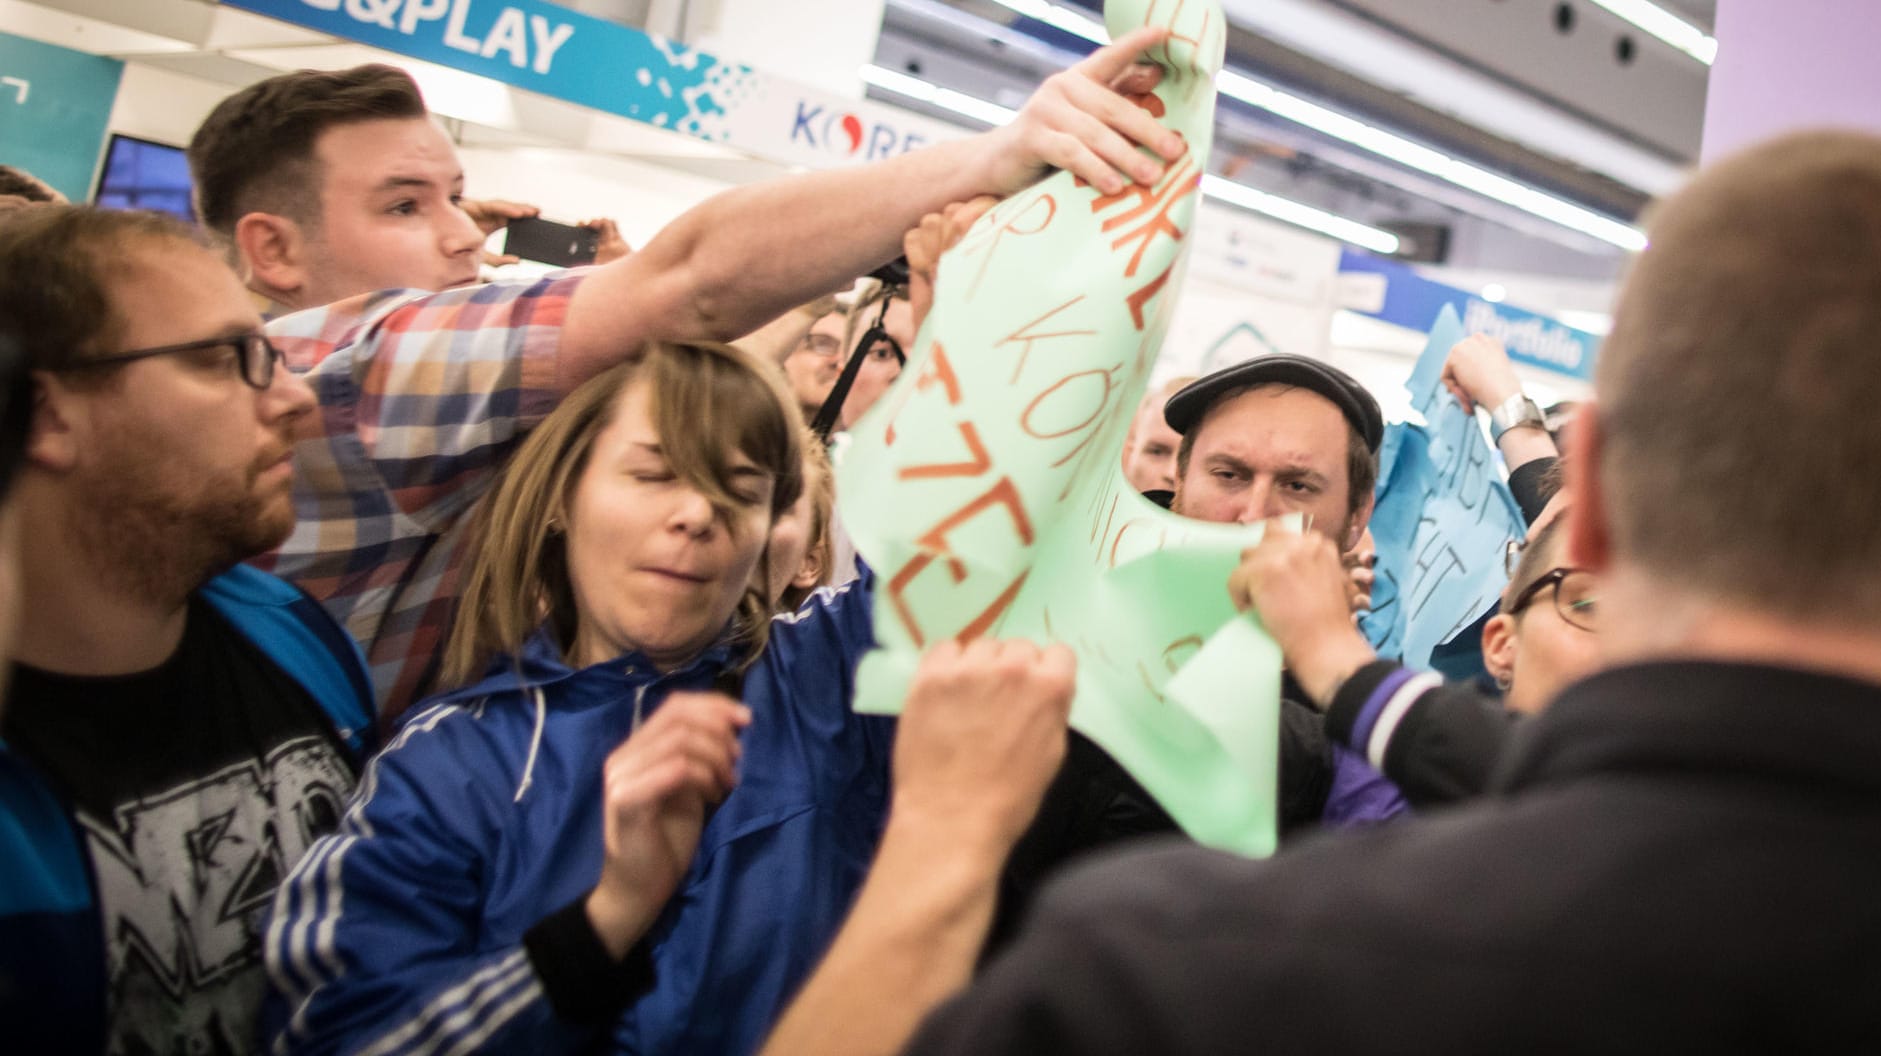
<point x="810" y="573"/>
<point x="1355" y="529"/>
<point x="273" y="251"/>
<point x="59" y="419"/>
<point x="1499" y="649"/>
<point x="1589" y="533"/>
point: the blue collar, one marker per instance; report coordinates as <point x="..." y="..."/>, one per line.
<point x="540" y="665"/>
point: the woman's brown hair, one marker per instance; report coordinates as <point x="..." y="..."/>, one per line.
<point x="708" y="402"/>
<point x="821" y="485"/>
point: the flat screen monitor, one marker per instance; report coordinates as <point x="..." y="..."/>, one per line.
<point x="140" y="174"/>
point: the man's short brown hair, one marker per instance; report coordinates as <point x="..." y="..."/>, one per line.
<point x="255" y="152"/>
<point x="19" y="183"/>
<point x="54" y="265"/>
<point x="868" y="306"/>
<point x="1739" y="387"/>
<point x="1537" y="560"/>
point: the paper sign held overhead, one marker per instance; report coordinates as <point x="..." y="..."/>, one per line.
<point x="1442" y="520"/>
<point x="984" y="489"/>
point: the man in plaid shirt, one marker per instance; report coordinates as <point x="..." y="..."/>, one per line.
<point x="330" y="186"/>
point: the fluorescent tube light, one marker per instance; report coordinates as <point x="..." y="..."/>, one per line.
<point x="1074" y="22"/>
<point x="1372" y="238"/>
<point x="1396" y="148"/>
<point x="1667" y="26"/>
<point x="1246" y="197"/>
<point x="933" y="94"/>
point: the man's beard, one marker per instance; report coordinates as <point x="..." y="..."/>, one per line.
<point x="160" y="543"/>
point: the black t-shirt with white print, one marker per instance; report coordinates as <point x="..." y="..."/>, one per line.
<point x="197" y="786"/>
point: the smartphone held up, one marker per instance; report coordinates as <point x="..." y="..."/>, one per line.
<point x="547" y="242"/>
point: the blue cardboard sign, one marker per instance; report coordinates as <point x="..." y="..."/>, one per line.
<point x="55" y="105"/>
<point x="1442" y="519"/>
<point x="1412" y="300"/>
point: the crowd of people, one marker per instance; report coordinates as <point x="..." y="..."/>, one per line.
<point x="408" y="662"/>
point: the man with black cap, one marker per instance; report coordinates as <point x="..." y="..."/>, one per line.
<point x="1276" y="435"/>
<point x="1272" y="436"/>
<point x="1269" y="437"/>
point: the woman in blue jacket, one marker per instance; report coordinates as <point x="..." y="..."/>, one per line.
<point x="515" y="872"/>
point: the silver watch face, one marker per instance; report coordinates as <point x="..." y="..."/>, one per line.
<point x="1518" y="410"/>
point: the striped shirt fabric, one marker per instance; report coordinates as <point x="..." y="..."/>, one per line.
<point x="422" y="396"/>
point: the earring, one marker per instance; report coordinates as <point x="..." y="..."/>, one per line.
<point x="554" y="526"/>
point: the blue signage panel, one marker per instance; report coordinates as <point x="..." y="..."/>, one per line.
<point x="1414" y="302"/>
<point x="540" y="46"/>
<point x="55" y="104"/>
<point x="551" y="50"/>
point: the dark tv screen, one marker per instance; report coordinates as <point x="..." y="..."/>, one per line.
<point x="139" y="174"/>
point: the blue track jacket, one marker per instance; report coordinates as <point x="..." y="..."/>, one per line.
<point x="402" y="932"/>
<point x="52" y="950"/>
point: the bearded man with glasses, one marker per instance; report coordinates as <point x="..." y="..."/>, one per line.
<point x="181" y="726"/>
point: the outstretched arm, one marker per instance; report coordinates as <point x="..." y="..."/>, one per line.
<point x="981" y="737"/>
<point x="747" y="256"/>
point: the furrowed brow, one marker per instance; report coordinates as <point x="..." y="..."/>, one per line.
<point x="1222" y="460"/>
<point x="404" y="183"/>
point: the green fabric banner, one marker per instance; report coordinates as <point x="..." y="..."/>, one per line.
<point x="984" y="489"/>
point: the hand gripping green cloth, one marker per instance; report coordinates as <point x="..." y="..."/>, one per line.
<point x="985" y="488"/>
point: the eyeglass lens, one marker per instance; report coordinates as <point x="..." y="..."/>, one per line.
<point x="820" y="345"/>
<point x="258" y="356"/>
<point x="1575" y="600"/>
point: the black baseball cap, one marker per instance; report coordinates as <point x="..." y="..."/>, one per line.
<point x="1186" y="407"/>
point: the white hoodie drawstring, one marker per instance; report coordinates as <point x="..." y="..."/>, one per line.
<point x="535" y="739"/>
<point x="535" y="745"/>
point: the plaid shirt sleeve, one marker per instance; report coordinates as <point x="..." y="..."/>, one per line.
<point x="433" y="389"/>
<point x="421" y="398"/>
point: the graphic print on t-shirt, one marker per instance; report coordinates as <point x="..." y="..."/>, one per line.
<point x="196" y="785"/>
<point x="184" y="877"/>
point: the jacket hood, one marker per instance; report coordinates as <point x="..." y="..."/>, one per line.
<point x="540" y="665"/>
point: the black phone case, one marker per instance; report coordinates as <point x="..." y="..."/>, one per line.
<point x="548" y="242"/>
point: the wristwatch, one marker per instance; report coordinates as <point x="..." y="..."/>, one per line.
<point x="1517" y="410"/>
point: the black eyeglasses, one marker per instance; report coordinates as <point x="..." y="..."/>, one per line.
<point x="1575" y="598"/>
<point x="820" y="345"/>
<point x="257" y="355"/>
